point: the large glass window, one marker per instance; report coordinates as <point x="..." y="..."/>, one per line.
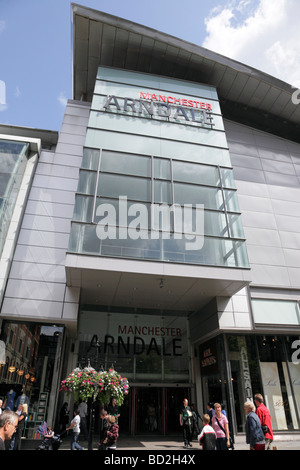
<point x="13" y="159"/>
<point x="173" y="210"/>
<point x="265" y="364"/>
<point x="276" y="312"/>
<point x="144" y="347"/>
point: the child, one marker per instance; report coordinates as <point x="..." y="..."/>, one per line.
<point x="207" y="437"/>
<point x="49" y="433"/>
<point x="112" y="433"/>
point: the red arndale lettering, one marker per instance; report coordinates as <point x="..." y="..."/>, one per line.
<point x="174" y="100"/>
<point x="196" y="112"/>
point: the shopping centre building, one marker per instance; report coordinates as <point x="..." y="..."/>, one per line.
<point x="158" y="232"/>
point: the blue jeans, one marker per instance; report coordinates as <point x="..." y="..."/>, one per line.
<point x="74" y="443"/>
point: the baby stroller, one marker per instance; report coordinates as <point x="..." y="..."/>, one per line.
<point x="49" y="443"/>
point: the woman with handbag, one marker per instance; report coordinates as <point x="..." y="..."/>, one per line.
<point x="220" y="426"/>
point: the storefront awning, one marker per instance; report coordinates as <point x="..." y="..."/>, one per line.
<point x="145" y="284"/>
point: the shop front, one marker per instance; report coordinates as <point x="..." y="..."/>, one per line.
<point x="152" y="351"/>
<point x="30" y="369"/>
<point x="236" y="367"/>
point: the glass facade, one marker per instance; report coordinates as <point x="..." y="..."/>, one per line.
<point x="239" y="366"/>
<point x="13" y="159"/>
<point x="265" y="364"/>
<point x="144" y="347"/>
<point x="170" y="196"/>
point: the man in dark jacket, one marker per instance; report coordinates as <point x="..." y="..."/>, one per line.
<point x="265" y="419"/>
<point x="254" y="434"/>
<point x="185" y="420"/>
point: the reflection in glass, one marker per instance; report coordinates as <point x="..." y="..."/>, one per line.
<point x="124" y="210"/>
<point x="162" y="192"/>
<point x="90" y="159"/>
<point x="125" y="164"/>
<point x="193" y="194"/>
<point x="162" y="168"/>
<point x="138" y="189"/>
<point x="193" y="173"/>
<point x="13" y="160"/>
<point x="144" y="244"/>
<point x="87" y="182"/>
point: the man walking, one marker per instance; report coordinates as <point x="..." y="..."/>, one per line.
<point x="265" y="419"/>
<point x="83" y="412"/>
<point x="185" y="419"/>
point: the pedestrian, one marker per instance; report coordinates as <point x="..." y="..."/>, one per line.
<point x="22" y="415"/>
<point x="113" y="409"/>
<point x="185" y="420"/>
<point x="63" y="417"/>
<point x="103" y="429"/>
<point x="210" y="411"/>
<point x="151" y="417"/>
<point x="49" y="437"/>
<point x="254" y="433"/>
<point x="8" y="426"/>
<point x="83" y="412"/>
<point x="265" y="419"/>
<point x="221" y="428"/>
<point x="207" y="438"/>
<point x="195" y="423"/>
<point x="75" y="427"/>
<point x="112" y="433"/>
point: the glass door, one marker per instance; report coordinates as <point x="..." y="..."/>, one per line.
<point x="156" y="410"/>
<point x="148" y="412"/>
<point x="173" y="403"/>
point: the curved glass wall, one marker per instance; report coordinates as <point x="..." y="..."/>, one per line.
<point x="148" y="207"/>
<point x="13" y="159"/>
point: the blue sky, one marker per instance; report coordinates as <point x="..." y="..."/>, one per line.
<point x="35" y="44"/>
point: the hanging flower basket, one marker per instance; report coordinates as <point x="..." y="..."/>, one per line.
<point x="113" y="386"/>
<point x="89" y="384"/>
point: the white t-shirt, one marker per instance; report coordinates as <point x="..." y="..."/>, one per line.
<point x="76" y="420"/>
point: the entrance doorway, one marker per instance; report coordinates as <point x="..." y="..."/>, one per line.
<point x="156" y="410"/>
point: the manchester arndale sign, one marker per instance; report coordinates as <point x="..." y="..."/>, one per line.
<point x="167" y="107"/>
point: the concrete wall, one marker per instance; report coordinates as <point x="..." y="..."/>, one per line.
<point x="267" y="175"/>
<point x="36" y="288"/>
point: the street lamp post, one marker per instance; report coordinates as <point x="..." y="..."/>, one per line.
<point x="90" y="385"/>
<point x="92" y="360"/>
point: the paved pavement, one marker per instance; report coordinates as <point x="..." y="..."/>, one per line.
<point x="160" y="443"/>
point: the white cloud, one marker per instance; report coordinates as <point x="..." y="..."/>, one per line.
<point x="264" y="34"/>
<point x="17" y="92"/>
<point x="62" y="99"/>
